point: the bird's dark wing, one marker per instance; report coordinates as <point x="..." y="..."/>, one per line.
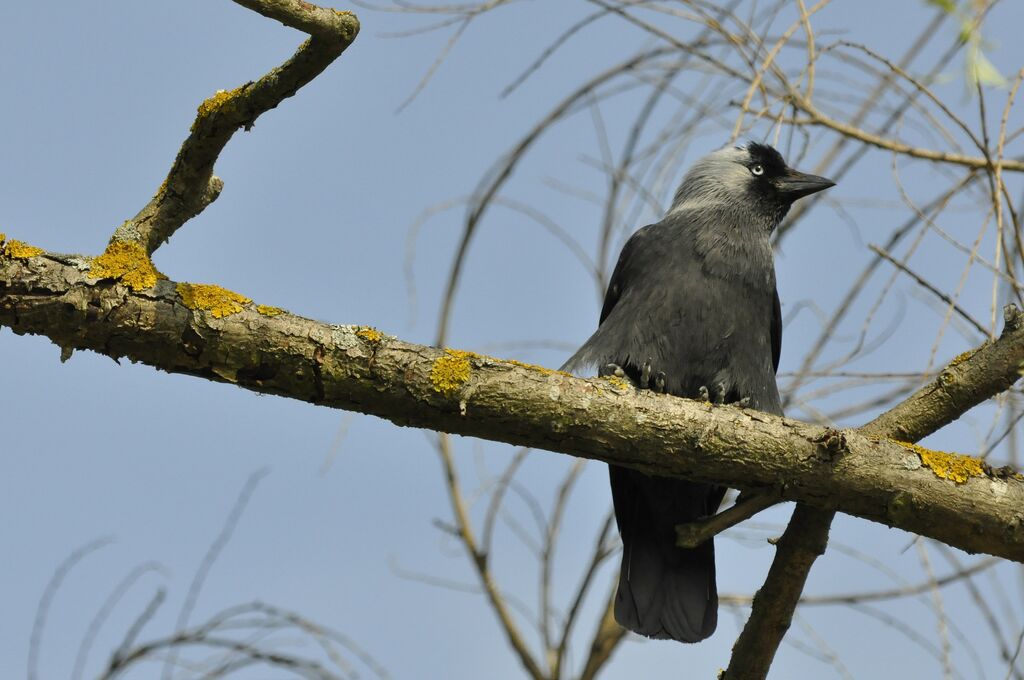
<point x="621" y="273"/>
<point x="776" y="332"/>
<point x="628" y="270"/>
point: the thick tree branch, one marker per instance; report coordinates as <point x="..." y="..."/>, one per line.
<point x="212" y="333"/>
<point x="190" y="185"/>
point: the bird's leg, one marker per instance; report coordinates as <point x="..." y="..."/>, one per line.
<point x="702" y="393"/>
<point x="744" y="402"/>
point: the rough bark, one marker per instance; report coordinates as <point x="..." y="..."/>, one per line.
<point x="228" y="339"/>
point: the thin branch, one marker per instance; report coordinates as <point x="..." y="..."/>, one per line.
<point x="53" y="585"/>
<point x="210" y="558"/>
<point x="881" y="252"/>
<point x="190" y="185"/>
<point x="692" y="534"/>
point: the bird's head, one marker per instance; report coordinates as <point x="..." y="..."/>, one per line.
<point x="752" y="179"/>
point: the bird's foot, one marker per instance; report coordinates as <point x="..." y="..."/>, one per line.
<point x="611" y="370"/>
<point x="715" y="397"/>
<point x="648" y="379"/>
<point x="717" y="394"/>
<point x="655" y="382"/>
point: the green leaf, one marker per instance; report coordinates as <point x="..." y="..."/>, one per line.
<point x="982" y="71"/>
<point x="947" y="6"/>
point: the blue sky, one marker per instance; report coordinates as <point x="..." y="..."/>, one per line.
<point x="319" y="199"/>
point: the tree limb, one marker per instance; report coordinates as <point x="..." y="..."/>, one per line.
<point x="221" y="336"/>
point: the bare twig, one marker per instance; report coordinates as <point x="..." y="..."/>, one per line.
<point x="52" y="586"/>
<point x="694" y="533"/>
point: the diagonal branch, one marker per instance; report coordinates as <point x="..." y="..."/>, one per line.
<point x="692" y="534"/>
<point x="212" y="333"/>
<point x="190" y="185"/>
<point x="924" y="412"/>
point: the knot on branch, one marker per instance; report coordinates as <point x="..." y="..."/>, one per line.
<point x="1013" y="318"/>
<point x="831" y="444"/>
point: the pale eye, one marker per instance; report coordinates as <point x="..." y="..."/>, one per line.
<point x="757" y="170"/>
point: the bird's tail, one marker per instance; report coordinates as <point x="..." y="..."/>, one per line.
<point x="664" y="591"/>
<point x="671" y="597"/>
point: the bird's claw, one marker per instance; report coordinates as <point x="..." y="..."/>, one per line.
<point x="611" y="370"/>
<point x="717" y="397"/>
<point x="744" y="402"/>
<point x="650" y="380"/>
<point x="645" y="375"/>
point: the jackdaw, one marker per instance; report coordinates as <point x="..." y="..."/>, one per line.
<point x="692" y="310"/>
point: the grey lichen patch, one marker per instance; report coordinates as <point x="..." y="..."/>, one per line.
<point x="344" y="337"/>
<point x="128" y="231"/>
<point x="911" y="463"/>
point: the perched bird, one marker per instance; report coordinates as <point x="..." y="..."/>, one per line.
<point x="692" y="310"/>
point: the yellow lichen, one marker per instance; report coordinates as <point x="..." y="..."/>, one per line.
<point x="211" y="104"/>
<point x="952" y="466"/>
<point x="214" y="104"/>
<point x="3" y="237"/>
<point x="619" y="383"/>
<point x="20" y="250"/>
<point x="127" y="262"/>
<point x="220" y="302"/>
<point x="369" y="333"/>
<point x="962" y="357"/>
<point x="451" y="371"/>
<point x="267" y="310"/>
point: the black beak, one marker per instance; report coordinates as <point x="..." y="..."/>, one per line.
<point x="794" y="184"/>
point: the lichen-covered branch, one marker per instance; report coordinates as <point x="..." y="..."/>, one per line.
<point x="214" y="334"/>
<point x="190" y="185"/>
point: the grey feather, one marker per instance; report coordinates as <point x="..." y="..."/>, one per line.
<point x="694" y="297"/>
